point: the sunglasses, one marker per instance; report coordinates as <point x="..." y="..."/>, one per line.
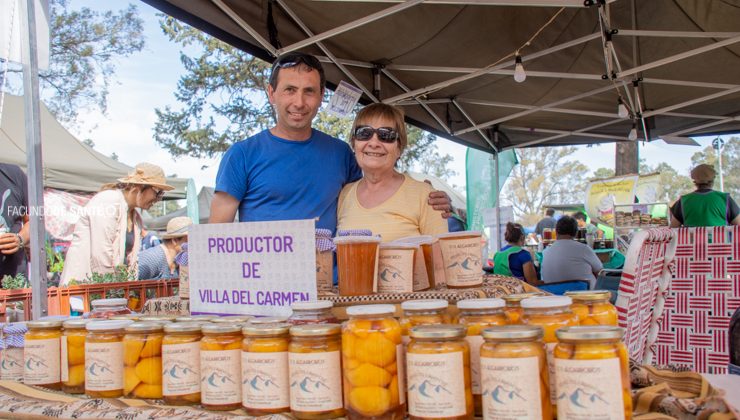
<point x="385" y="134"/>
<point x="159" y="193"/>
<point x="292" y="60"/>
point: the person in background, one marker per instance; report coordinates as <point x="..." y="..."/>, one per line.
<point x="14" y="227"/>
<point x="705" y="206"/>
<point x="548" y="222"/>
<point x="567" y="259"/>
<point x="583" y="224"/>
<point x="149" y="240"/>
<point x="513" y="260"/>
<point x="159" y="262"/>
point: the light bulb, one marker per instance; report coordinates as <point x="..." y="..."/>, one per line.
<point x="519" y="74"/>
<point x="622" y="109"/>
<point x="633" y="133"/>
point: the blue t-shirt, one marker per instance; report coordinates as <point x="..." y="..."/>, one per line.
<point x="278" y="179"/>
<point x="517" y="261"/>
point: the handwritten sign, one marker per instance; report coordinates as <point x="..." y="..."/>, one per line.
<point x="344" y="99"/>
<point x="254" y="268"/>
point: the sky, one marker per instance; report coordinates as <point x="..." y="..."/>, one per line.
<point x="147" y="80"/>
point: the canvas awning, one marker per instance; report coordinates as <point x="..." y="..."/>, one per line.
<point x="449" y="63"/>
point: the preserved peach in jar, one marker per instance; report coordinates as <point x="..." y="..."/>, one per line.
<point x="592" y="373"/>
<point x="265" y="386"/>
<point x="514" y="373"/>
<point x="73" y="355"/>
<point x="476" y="314"/>
<point x="312" y="312"/>
<point x="593" y="307"/>
<point x="372" y="364"/>
<point x="104" y="358"/>
<point x="513" y="308"/>
<point x="220" y="366"/>
<point x="105" y="308"/>
<point x="41" y="361"/>
<point x="422" y="312"/>
<point x="181" y="363"/>
<point x="142" y="360"/>
<point x="438" y="371"/>
<point x="314" y="369"/>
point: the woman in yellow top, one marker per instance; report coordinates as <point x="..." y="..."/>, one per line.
<point x="390" y="204"/>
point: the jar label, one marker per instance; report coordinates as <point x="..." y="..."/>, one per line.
<point x="511" y="388"/>
<point x="462" y="261"/>
<point x="12" y="364"/>
<point x="589" y="389"/>
<point x="219" y="377"/>
<point x="475" y="341"/>
<point x="396" y="271"/>
<point x="436" y="384"/>
<point x="315" y="381"/>
<point x="65" y="358"/>
<point x="550" y="350"/>
<point x="265" y="380"/>
<point x="104" y="366"/>
<point x="401" y="366"/>
<point x="41" y="361"/>
<point x="184" y="284"/>
<point x="180" y="369"/>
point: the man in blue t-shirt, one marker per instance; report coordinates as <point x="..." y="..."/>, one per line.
<point x="290" y="171"/>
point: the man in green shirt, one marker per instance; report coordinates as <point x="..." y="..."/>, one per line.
<point x="705" y="206"/>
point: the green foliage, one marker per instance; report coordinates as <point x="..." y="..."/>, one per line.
<point x="730" y="164"/>
<point x="163" y="207"/>
<point x="54" y="260"/>
<point x="17" y="282"/>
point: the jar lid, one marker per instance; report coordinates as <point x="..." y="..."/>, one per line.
<point x="463" y="234"/>
<point x="158" y="318"/>
<point x="398" y="245"/>
<point x="371" y="310"/>
<point x="49" y="323"/>
<point x="134" y="317"/>
<point x="312" y="330"/>
<point x="518" y="297"/>
<point x="546" y="302"/>
<point x="420" y="240"/>
<point x="267" y="320"/>
<point x="220" y="328"/>
<point x="231" y="319"/>
<point x="491" y="303"/>
<point x="589" y="295"/>
<point x="311" y="305"/>
<point x="193" y="318"/>
<point x="108" y="325"/>
<point x="144" y="327"/>
<point x="438" y="331"/>
<point x="352" y="239"/>
<point x="76" y="323"/>
<point x="109" y="302"/>
<point x="55" y="317"/>
<point x="513" y="332"/>
<point x="601" y="332"/>
<point x="178" y="327"/>
<point x="424" y="304"/>
<point x="265" y="329"/>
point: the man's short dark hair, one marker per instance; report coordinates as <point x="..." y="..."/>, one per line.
<point x="566" y="226"/>
<point x="550" y="212"/>
<point x="293" y="59"/>
<point x="579" y="215"/>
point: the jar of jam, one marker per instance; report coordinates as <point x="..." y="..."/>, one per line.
<point x="551" y="313"/>
<point x="41" y="361"/>
<point x="476" y="314"/>
<point x="105" y="308"/>
<point x="312" y="312"/>
<point x="315" y="371"/>
<point x="220" y="366"/>
<point x="73" y="355"/>
<point x="461" y="253"/>
<point x="266" y="320"/>
<point x="11" y="368"/>
<point x="265" y="386"/>
<point x="142" y="359"/>
<point x="593" y="307"/>
<point x="104" y="358"/>
<point x="195" y="318"/>
<point x="372" y="362"/>
<point x="514" y="373"/>
<point x="422" y="312"/>
<point x="438" y="362"/>
<point x="181" y="363"/>
<point x="513" y="309"/>
<point x="592" y="373"/>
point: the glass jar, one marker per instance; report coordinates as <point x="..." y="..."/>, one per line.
<point x="461" y="253"/>
<point x="157" y="318"/>
<point x="132" y="317"/>
<point x="312" y="312"/>
<point x="476" y="314"/>
<point x="592" y="373"/>
<point x="104" y="358"/>
<point x="438" y="361"/>
<point x="105" y="308"/>
<point x="231" y="320"/>
<point x="267" y="320"/>
<point x="551" y="313"/>
<point x="196" y="318"/>
<point x="513" y="309"/>
<point x="41" y="354"/>
<point x="514" y="373"/>
<point x="315" y="371"/>
<point x="422" y="312"/>
<point x="142" y="360"/>
<point x="73" y="355"/>
<point x="181" y="363"/>
<point x="11" y="368"/>
<point x="593" y="307"/>
<point x="220" y="366"/>
<point x="265" y="386"/>
<point x="372" y="363"/>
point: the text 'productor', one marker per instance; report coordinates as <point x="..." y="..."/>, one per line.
<point x="252" y="244"/>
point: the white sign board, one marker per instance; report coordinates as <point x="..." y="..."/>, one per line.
<point x="254" y="268"/>
<point x="344" y="99"/>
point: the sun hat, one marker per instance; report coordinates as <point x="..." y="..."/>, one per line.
<point x="703" y="174"/>
<point x="147" y="174"/>
<point x="177" y="227"/>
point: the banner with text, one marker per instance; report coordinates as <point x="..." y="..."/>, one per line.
<point x="603" y="194"/>
<point x="253" y="268"/>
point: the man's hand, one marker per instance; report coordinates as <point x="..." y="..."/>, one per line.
<point x="223" y="208"/>
<point x="440" y="201"/>
<point x="9" y="243"/>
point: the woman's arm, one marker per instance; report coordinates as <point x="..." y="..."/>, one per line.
<point x="530" y="274"/>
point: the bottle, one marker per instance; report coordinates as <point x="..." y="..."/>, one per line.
<point x="220" y="366"/>
<point x="142" y="359"/>
<point x="105" y="308"/>
<point x="73" y="355"/>
<point x="513" y="309"/>
<point x="41" y="354"/>
<point x="265" y="386"/>
<point x="181" y="363"/>
<point x="593" y="307"/>
<point x="312" y="312"/>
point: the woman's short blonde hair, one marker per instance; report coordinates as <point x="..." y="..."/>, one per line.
<point x="384" y="111"/>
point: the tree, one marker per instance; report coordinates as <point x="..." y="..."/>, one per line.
<point x="544" y="176"/>
<point x="84" y="45"/>
<point x="673" y="183"/>
<point x="730" y="164"/>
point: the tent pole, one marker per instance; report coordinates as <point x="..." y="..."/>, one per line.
<point x="497" y="242"/>
<point x="37" y="276"/>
